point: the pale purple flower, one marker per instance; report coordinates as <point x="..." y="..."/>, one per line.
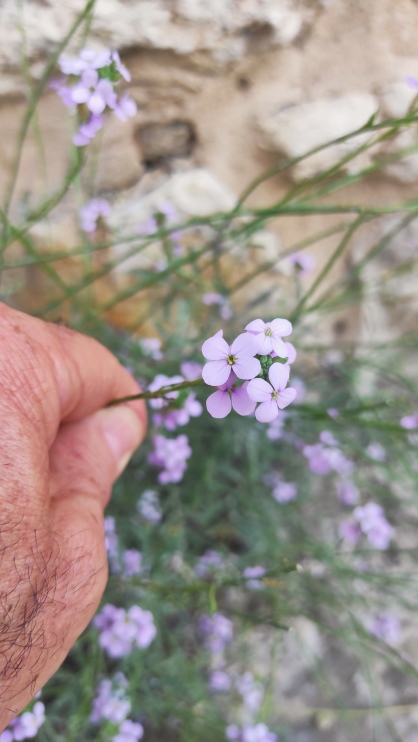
<point x="324" y="458"/>
<point x="219" y="681"/>
<point x="170" y="455"/>
<point x="91" y="212"/>
<point x="258" y="733"/>
<point x="111" y="539"/>
<point x="88" y="131"/>
<point x="27" y="724"/>
<point x="145" y="630"/>
<point x="87" y="59"/>
<point x="112" y="543"/>
<point x="304" y="262"/>
<point x="148" y="507"/>
<point x="6" y="736"/>
<point x="250" y="691"/>
<point x="148" y="226"/>
<point x="111" y="702"/>
<point x="132" y="561"/>
<point x="328" y="438"/>
<point x="374" y="525"/>
<point x="228" y="397"/>
<point x="412" y="82"/>
<point x="217" y="631"/>
<point x="333" y="412"/>
<point x="376" y="451"/>
<point x="273" y="396"/>
<point x="171" y="418"/>
<point x="129" y="731"/>
<point x="410" y="422"/>
<point x="161" y="381"/>
<point x="232" y="732"/>
<point x="239" y="357"/>
<point x="250" y="573"/>
<point x="300" y="387"/>
<point x="151" y="347"/>
<point x="347" y="492"/>
<point x="274" y="430"/>
<point x="350" y="531"/>
<point x="269" y="335"/>
<point x="122" y="630"/>
<point x="385" y="626"/>
<point x="318" y="459"/>
<point x="191" y="370"/>
<point x="125" y="107"/>
<point x="208" y="563"/>
<point x="120" y="66"/>
<point x="284" y="491"/>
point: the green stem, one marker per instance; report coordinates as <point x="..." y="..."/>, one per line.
<point x="159" y="394"/>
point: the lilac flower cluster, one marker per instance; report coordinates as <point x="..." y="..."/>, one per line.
<point x="170" y="455"/>
<point x="131" y="558"/>
<point x="177" y="408"/>
<point x="209" y="563"/>
<point x="250" y="574"/>
<point x="26" y="725"/>
<point x="97" y="208"/>
<point x="254" y="353"/>
<point x="148" y="507"/>
<point x="410" y="422"/>
<point x="121" y="631"/>
<point x="217" y="632"/>
<point x="129" y="731"/>
<point x="326" y="456"/>
<point x="369" y="520"/>
<point x="282" y="491"/>
<point x="112" y="704"/>
<point x="257" y="733"/>
<point x="88" y="83"/>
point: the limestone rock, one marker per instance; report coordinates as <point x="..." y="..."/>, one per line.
<point x="225" y="29"/>
<point x="297" y="129"/>
<point x="396" y="99"/>
<point x="161" y="142"/>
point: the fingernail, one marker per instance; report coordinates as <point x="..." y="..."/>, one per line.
<point x="123" y="431"/>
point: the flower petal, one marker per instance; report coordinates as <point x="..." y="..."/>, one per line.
<point x="265" y="344"/>
<point x="266" y="412"/>
<point x="279" y="375"/>
<point x="257" y="325"/>
<point x="229" y="382"/>
<point x="279" y="347"/>
<point x="244" y="345"/>
<point x="215" y="348"/>
<point x="290" y="352"/>
<point x="216" y="373"/>
<point x="259" y="390"/>
<point x="280" y="327"/>
<point x="286" y="397"/>
<point x="219" y="404"/>
<point x="247" y="367"/>
<point x="241" y="402"/>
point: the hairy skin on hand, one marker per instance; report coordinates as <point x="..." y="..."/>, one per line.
<point x="56" y="474"/>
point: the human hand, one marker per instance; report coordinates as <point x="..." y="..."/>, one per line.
<point x="60" y="453"/>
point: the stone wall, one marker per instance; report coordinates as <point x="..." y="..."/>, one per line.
<point x="225" y="89"/>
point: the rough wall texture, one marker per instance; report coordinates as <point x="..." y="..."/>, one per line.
<point x="227" y="87"/>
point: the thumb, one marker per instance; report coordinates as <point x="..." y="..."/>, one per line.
<point x="89" y="454"/>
